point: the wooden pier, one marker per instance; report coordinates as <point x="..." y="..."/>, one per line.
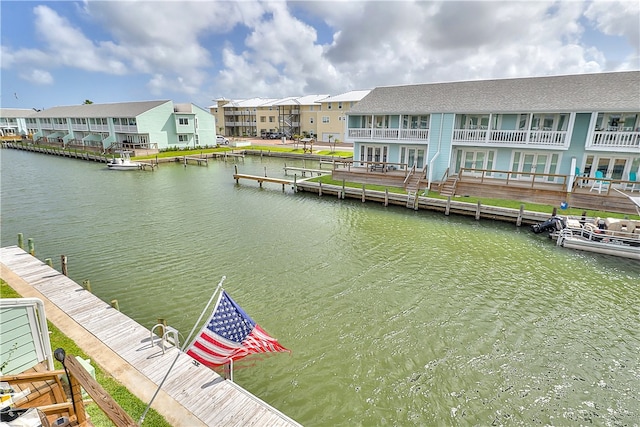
<point x="238" y="176"/>
<point x="304" y="171"/>
<point x="199" y="160"/>
<point x="192" y="395"/>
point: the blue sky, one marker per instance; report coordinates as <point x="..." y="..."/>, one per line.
<point x="64" y="52"/>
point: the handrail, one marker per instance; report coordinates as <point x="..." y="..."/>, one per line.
<point x="411" y="172"/>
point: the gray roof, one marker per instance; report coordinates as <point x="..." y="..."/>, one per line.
<point x="16" y="113"/>
<point x="118" y="109"/>
<point x="618" y="91"/>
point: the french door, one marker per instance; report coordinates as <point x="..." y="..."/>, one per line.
<point x="528" y="163"/>
<point x="412" y="156"/>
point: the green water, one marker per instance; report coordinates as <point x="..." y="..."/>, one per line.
<point x="394" y="317"/>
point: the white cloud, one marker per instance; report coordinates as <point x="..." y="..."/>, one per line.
<point x="38" y="77"/>
<point x="208" y="49"/>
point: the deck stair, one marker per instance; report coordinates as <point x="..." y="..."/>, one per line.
<point x="448" y="188"/>
<point x="412" y="187"/>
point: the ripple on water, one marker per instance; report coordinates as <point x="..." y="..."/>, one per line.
<point x="394" y="317"/>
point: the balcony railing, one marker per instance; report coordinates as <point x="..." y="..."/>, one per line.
<point x="517" y="137"/>
<point x="609" y="140"/>
<point x="387" y="133"/>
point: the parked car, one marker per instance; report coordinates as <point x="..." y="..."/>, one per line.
<point x="221" y="140"/>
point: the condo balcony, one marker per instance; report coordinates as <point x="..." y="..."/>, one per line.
<point x="388" y="133"/>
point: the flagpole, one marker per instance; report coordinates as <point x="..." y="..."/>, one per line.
<point x="144" y="414"/>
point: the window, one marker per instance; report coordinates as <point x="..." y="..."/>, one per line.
<point x="310" y="107"/>
<point x="325" y="119"/>
<point x="329" y="106"/>
<point x="339" y="105"/>
<point x="271" y="119"/>
<point x="263" y="119"/>
<point x="183" y="121"/>
<point x="183" y="138"/>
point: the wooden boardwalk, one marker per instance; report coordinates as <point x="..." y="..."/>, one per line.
<point x="191" y="396"/>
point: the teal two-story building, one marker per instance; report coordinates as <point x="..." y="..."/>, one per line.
<point x="144" y="125"/>
<point x="573" y="125"/>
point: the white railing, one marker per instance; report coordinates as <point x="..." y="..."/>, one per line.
<point x="79" y="126"/>
<point x="511" y="137"/>
<point x="98" y="128"/>
<point x="360" y="133"/>
<point x="387" y="133"/>
<point x="603" y="139"/>
<point x="125" y="128"/>
<point x="422" y="134"/>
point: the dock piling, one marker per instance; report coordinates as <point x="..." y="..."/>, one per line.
<point x="20" y="240"/>
<point x="32" y="247"/>
<point x="114" y="304"/>
<point x="63" y="263"/>
<point x="87" y="285"/>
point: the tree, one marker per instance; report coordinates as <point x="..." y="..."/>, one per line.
<point x="87" y="102"/>
<point x="334" y="146"/>
<point x="335" y="141"/>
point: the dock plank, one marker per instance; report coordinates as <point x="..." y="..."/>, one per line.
<point x="190" y="389"/>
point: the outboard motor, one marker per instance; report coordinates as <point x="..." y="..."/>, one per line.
<point x="552" y="224"/>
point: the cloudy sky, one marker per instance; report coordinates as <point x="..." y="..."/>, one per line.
<point x="64" y="52"/>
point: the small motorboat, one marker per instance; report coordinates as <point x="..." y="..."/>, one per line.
<point x="124" y="162"/>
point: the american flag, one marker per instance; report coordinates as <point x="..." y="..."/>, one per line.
<point x="230" y="334"/>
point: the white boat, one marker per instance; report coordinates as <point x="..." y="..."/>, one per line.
<point x="124" y="162"/>
<point x="610" y="236"/>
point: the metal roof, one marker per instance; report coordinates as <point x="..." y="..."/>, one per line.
<point x="352" y="96"/>
<point x="619" y="91"/>
<point x="119" y="109"/>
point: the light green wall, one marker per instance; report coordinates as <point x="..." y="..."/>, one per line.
<point x="159" y="123"/>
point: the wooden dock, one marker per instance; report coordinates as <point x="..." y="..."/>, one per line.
<point x="191" y="395"/>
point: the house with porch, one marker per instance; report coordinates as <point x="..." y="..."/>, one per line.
<point x="146" y="126"/>
<point x="558" y="129"/>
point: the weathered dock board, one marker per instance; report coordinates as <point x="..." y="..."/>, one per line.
<point x="191" y="395"/>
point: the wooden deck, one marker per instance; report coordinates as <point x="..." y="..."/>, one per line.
<point x="191" y="396"/>
<point x="546" y="193"/>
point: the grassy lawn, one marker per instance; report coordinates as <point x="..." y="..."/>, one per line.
<point x="222" y="149"/>
<point x="130" y="403"/>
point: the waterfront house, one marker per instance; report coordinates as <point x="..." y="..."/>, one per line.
<point x="558" y="129"/>
<point x="145" y="126"/>
<point x="13" y="123"/>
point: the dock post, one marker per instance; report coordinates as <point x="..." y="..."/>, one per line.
<point x="32" y="247"/>
<point x="295" y="183"/>
<point x="554" y="212"/>
<point x="265" y="171"/>
<point x="237" y="179"/>
<point x="49" y="262"/>
<point x="20" y="240"/>
<point x="285" y="169"/>
<point x="386" y="197"/>
<point x="87" y="285"/>
<point x="363" y="194"/>
<point x="519" y="220"/>
<point x="114" y="304"/>
<point x="448" y="206"/>
<point x="342" y="189"/>
<point x="478" y="210"/>
<point x="320" y="188"/>
<point x="63" y="263"/>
